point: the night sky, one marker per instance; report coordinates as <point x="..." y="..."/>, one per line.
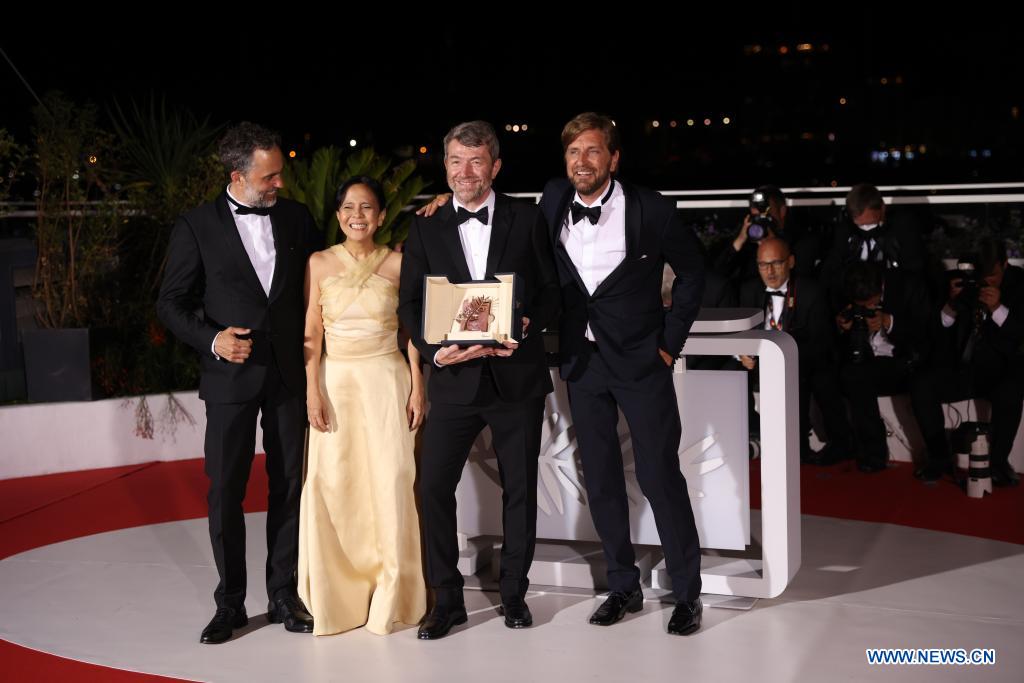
<point x="398" y="84"/>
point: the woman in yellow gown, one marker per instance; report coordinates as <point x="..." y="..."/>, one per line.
<point x="359" y="543"/>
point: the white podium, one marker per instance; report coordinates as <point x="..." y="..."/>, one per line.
<point x="713" y="458"/>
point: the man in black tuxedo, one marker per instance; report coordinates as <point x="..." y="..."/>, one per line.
<point x="873" y="234"/>
<point x="883" y="341"/>
<point x="478" y="234"/>
<point x="618" y="345"/>
<point x="797" y="305"/>
<point x="233" y="290"/>
<point x="980" y="337"/>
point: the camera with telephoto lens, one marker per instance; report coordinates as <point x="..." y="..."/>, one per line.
<point x="859" y="340"/>
<point x="763" y="222"/>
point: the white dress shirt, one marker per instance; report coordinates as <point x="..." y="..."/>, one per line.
<point x="778" y="305"/>
<point x="476" y="237"/>
<point x="258" y="239"/>
<point x="596" y="250"/>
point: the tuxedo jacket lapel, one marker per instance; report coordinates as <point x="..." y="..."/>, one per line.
<point x="501" y="226"/>
<point x="634" y="223"/>
<point x="234" y="246"/>
<point x="449" y="236"/>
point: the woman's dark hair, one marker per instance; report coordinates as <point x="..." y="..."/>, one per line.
<point x="374" y="185"/>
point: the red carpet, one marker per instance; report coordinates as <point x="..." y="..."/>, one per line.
<point x="37" y="511"/>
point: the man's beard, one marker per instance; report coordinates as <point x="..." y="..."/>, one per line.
<point x="260" y="200"/>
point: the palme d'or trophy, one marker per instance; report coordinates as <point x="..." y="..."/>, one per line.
<point x="475" y="314"/>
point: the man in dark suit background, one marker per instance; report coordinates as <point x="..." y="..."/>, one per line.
<point x="979" y="351"/>
<point x="480" y="233"/>
<point x="233" y="290"/>
<point x="883" y="341"/>
<point x="798" y="306"/>
<point x="617" y="347"/>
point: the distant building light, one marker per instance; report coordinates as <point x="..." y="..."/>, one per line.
<point x="707" y="122"/>
<point x="842" y="101"/>
<point x="423" y="149"/>
<point x="883" y="80"/>
<point x="909" y="156"/>
<point x="508" y="127"/>
<point x="834" y="183"/>
<point x="973" y="153"/>
<point x="908" y="148"/>
<point x="352" y="142"/>
<point x="987" y="153"/>
<point x="896" y="154"/>
<point x="291" y="154"/>
<point x="783" y="50"/>
<point x="922" y="149"/>
<point x="831" y="137"/>
<point x="515" y="128"/>
<point x="523" y="127"/>
<point x="93" y="159"/>
<point x="689" y="122"/>
<point x="655" y="124"/>
<point x="726" y="120"/>
<point x="673" y="124"/>
<point x="804" y="47"/>
<point x="807" y="136"/>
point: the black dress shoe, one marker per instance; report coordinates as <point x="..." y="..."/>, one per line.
<point x="290" y="611"/>
<point x="1003" y="474"/>
<point x="223" y="623"/>
<point x="616" y="606"/>
<point x="440" y="621"/>
<point x="686" y="618"/>
<point x="517" y="614"/>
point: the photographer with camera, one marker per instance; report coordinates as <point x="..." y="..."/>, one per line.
<point x="979" y="332"/>
<point x="882" y="339"/>
<point x="796" y="305"/>
<point x="769" y="216"/>
<point x="872" y="234"/>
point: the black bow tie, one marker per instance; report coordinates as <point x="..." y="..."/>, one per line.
<point x="464" y="215"/>
<point x="593" y="213"/>
<point x="769" y="292"/>
<point x="249" y="210"/>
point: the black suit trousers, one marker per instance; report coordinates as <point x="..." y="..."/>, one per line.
<point x="448" y="435"/>
<point x="650" y="407"/>
<point x="230" y="445"/>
